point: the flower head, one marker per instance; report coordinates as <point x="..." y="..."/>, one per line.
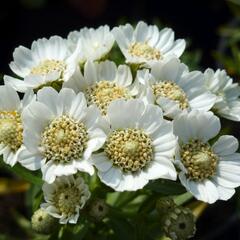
<point x="146" y="44"/>
<point x="49" y="62"/>
<point x="174" y="88"/>
<point x="94" y="43"/>
<point x="103" y="83"/>
<point x="11" y="126"/>
<point x="209" y="172"/>
<point x="65" y="197"/>
<point x="60" y="134"/>
<point x="227" y="103"/>
<point x="140" y="146"/>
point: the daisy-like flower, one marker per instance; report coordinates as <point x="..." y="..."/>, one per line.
<point x="60" y="134"/>
<point x="11" y="127"/>
<point x="102" y="83"/>
<point x="94" y="44"/>
<point x="208" y="172"/>
<point x="65" y="198"/>
<point x="228" y="102"/>
<point x="174" y="88"/>
<point x="48" y="62"/>
<point x="140" y="146"/>
<point x="146" y="44"/>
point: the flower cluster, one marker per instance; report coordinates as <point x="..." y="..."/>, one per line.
<point x="146" y="118"/>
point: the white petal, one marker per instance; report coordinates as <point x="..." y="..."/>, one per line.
<point x="9" y="99"/>
<point x="101" y="162"/>
<point x="205" y="191"/>
<point x="123" y="114"/>
<point x="157" y="170"/>
<point x="84" y="166"/>
<point x="49" y="97"/>
<point x="18" y="85"/>
<point x="29" y="160"/>
<point x="36" y="116"/>
<point x="124" y="76"/>
<point x="225" y="145"/>
<point x="48" y="171"/>
<point x="151" y="119"/>
<point x="193" y="126"/>
<point x="203" y="102"/>
<point x="132" y="182"/>
<point x="225" y="193"/>
<point x="79" y="107"/>
<point x="97" y="139"/>
<point x="29" y="97"/>
<point x="112" y="177"/>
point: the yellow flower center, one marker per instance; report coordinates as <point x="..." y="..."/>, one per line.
<point x="172" y="91"/>
<point x="104" y="92"/>
<point x="49" y="66"/>
<point x="129" y="149"/>
<point x="11" y="130"/>
<point x="142" y="49"/>
<point x="199" y="160"/>
<point x="64" y="140"/>
<point x="68" y="198"/>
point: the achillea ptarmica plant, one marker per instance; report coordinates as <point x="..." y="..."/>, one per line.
<point x="115" y="126"/>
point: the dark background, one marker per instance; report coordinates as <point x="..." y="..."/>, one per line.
<point x="23" y="21"/>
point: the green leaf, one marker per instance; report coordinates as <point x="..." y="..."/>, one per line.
<point x="23" y="173"/>
<point x="166" y="187"/>
<point x="123" y="230"/>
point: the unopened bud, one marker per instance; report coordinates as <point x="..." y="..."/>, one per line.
<point x="42" y="222"/>
<point x="165" y="205"/>
<point x="98" y="209"/>
<point x="179" y="224"/>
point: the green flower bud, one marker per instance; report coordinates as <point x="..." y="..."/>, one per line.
<point x="165" y="205"/>
<point x="179" y="224"/>
<point x="42" y="222"/>
<point x="98" y="209"/>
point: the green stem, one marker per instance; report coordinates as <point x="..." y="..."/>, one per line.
<point x="183" y="198"/>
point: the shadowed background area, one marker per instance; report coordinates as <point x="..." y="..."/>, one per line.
<point x="22" y="21"/>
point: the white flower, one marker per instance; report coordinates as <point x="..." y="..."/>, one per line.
<point x="146" y="44"/>
<point x="208" y="172"/>
<point x="94" y="43"/>
<point x="11" y="128"/>
<point x="49" y="61"/>
<point x="65" y="198"/>
<point x="228" y="102"/>
<point x="140" y="146"/>
<point x="174" y="88"/>
<point x="102" y="83"/>
<point x="60" y="134"/>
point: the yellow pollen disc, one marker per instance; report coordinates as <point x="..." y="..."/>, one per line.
<point x="130" y="149"/>
<point x="199" y="160"/>
<point x="104" y="92"/>
<point x="172" y="91"/>
<point x="142" y="49"/>
<point x="11" y="130"/>
<point x="49" y="66"/>
<point x="64" y="140"/>
<point x="67" y="199"/>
